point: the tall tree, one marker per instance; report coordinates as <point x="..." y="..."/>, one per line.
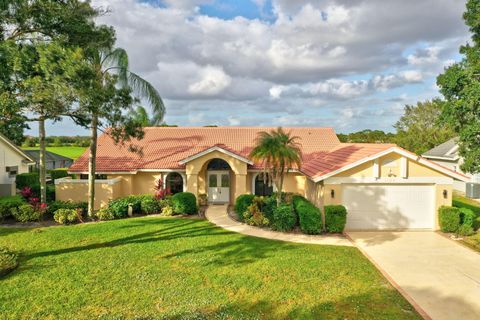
<point x="106" y="100"/>
<point x="460" y="85"/>
<point x="26" y="24"/>
<point x="420" y="128"/>
<point x="279" y="152"/>
<point x="140" y="114"/>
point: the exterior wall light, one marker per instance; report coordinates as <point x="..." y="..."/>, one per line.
<point x="445" y="194"/>
<point x="332" y="193"/>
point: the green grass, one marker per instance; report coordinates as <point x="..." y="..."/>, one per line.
<point x="67" y="151"/>
<point x="178" y="268"/>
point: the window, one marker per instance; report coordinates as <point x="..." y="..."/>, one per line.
<point x="225" y="180"/>
<point x="174" y="182"/>
<point x="212" y="181"/>
<point x="263" y="185"/>
<point x="12" y="171"/>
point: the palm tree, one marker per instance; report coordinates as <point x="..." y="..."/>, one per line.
<point x="112" y="67"/>
<point x="279" y="152"/>
<point x="140" y="115"/>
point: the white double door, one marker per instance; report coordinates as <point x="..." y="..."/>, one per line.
<point x="218" y="186"/>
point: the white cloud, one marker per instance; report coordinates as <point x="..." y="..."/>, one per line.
<point x="213" y="81"/>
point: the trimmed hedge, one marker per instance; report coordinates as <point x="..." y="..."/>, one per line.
<point x="467" y="217"/>
<point x="119" y="207"/>
<point x="50" y="191"/>
<point x="449" y="218"/>
<point x="9" y="203"/>
<point x="269" y="204"/>
<point x="23" y="180"/>
<point x="242" y="203"/>
<point x="309" y="216"/>
<point x="149" y="205"/>
<point x="184" y="203"/>
<point x="56" y="205"/>
<point x="58" y="173"/>
<point x="66" y="216"/>
<point x="284" y="218"/>
<point x="335" y="218"/>
<point x="26" y="213"/>
<point x="460" y="204"/>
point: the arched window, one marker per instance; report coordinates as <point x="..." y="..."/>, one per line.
<point x="263" y="185"/>
<point x="174" y="182"/>
<point x="218" y="164"/>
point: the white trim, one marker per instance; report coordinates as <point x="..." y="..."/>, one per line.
<point x="161" y="170"/>
<point x="402" y="152"/>
<point x="99" y="181"/>
<point x="387" y="180"/>
<point x="184" y="179"/>
<point x="441" y="158"/>
<point x="376" y="169"/>
<point x="104" y="172"/>
<point x="215" y="148"/>
<point x="254" y="177"/>
<point x="452" y="150"/>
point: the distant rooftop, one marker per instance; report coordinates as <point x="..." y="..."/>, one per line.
<point x="446" y="150"/>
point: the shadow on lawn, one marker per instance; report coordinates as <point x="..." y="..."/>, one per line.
<point x="236" y="251"/>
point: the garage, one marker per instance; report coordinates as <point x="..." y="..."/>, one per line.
<point x="389" y="206"/>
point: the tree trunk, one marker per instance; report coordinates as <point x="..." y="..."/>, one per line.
<point x="42" y="165"/>
<point x="279" y="191"/>
<point x="91" y="165"/>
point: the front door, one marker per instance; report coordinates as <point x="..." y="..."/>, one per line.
<point x="218" y="186"/>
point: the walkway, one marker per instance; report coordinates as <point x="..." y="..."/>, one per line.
<point x="217" y="214"/>
<point x="441" y="276"/>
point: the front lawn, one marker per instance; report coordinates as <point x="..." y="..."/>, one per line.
<point x="154" y="267"/>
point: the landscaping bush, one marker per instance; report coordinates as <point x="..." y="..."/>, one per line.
<point x="26" y="213"/>
<point x="58" y="173"/>
<point x="9" y="203"/>
<point x="184" y="202"/>
<point x="253" y="215"/>
<point x="335" y="218"/>
<point x="119" y="207"/>
<point x="8" y="261"/>
<point x="460" y="204"/>
<point x="465" y="230"/>
<point x="55" y="205"/>
<point x="241" y="204"/>
<point x="167" y="210"/>
<point x="309" y="216"/>
<point x="23" y="180"/>
<point x="104" y="214"/>
<point x="66" y="216"/>
<point x="476" y="224"/>
<point x="467" y="217"/>
<point x="449" y="218"/>
<point x="165" y="202"/>
<point x="284" y="218"/>
<point x="35" y="188"/>
<point x="269" y="204"/>
<point x="149" y="205"/>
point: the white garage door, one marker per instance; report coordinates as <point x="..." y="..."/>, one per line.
<point x="398" y="206"/>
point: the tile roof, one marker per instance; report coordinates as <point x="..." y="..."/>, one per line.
<point x="340" y="156"/>
<point x="444" y="150"/>
<point x="164" y="147"/>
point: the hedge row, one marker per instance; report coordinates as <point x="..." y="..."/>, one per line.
<point x="309" y="215"/>
<point x="462" y="221"/>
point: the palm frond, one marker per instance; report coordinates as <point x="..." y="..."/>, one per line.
<point x="144" y="90"/>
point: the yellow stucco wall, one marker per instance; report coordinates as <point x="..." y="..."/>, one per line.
<point x="75" y="191"/>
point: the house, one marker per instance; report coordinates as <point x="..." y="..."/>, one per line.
<point x="382" y="186"/>
<point x="12" y="162"/>
<point x="446" y="154"/>
<point x="52" y="160"/>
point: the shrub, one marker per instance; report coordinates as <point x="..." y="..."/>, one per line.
<point x="465" y="230"/>
<point x="167" y="210"/>
<point x="66" y="216"/>
<point x="8" y="261"/>
<point x="269" y="204"/>
<point x="58" y="173"/>
<point x="184" y="202"/>
<point x="476" y="223"/>
<point x="460" y="204"/>
<point x="119" y="207"/>
<point x="309" y="216"/>
<point x="241" y="204"/>
<point x="449" y="218"/>
<point x="149" y="205"/>
<point x="166" y="202"/>
<point x="9" y="203"/>
<point x="55" y="205"/>
<point x="26" y="213"/>
<point x="202" y="199"/>
<point x="467" y="217"/>
<point x="35" y="188"/>
<point x="23" y="180"/>
<point x="335" y="218"/>
<point x="284" y="218"/>
<point x="253" y="216"/>
<point x="104" y="214"/>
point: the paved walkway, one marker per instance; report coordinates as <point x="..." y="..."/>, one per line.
<point x="441" y="276"/>
<point x="217" y="214"/>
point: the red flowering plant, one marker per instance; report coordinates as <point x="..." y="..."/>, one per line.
<point x="160" y="191"/>
<point x="26" y="193"/>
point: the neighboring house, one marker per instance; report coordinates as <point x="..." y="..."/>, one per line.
<point x="52" y="160"/>
<point x="446" y="154"/>
<point x="382" y="185"/>
<point x="12" y="162"/>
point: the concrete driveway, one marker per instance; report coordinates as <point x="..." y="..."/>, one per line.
<point x="439" y="275"/>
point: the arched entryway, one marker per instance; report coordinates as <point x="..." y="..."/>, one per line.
<point x="218" y="181"/>
<point x="174" y="182"/>
<point x="262" y="186"/>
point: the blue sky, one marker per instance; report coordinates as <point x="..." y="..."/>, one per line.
<point x="351" y="65"/>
